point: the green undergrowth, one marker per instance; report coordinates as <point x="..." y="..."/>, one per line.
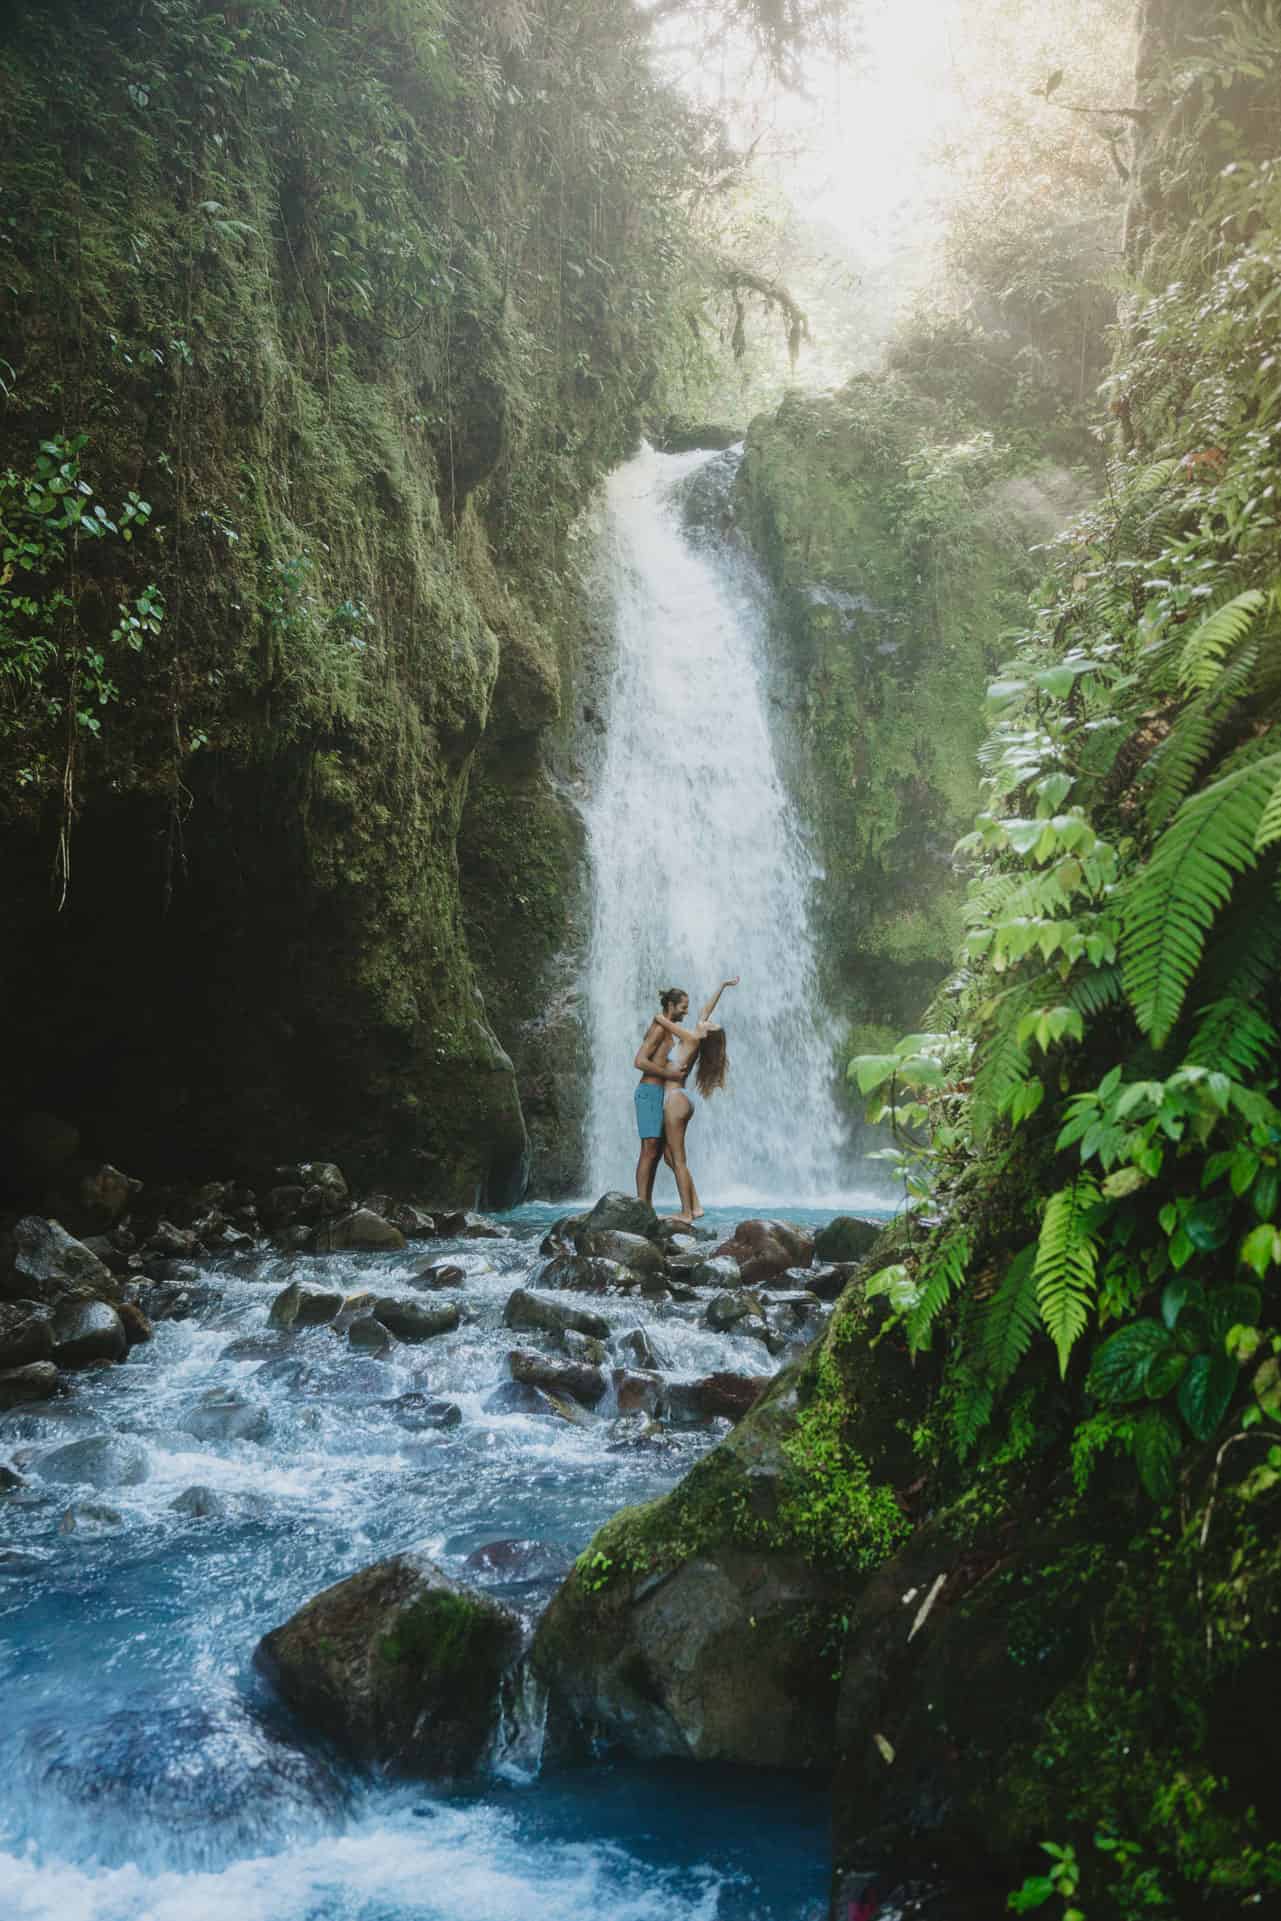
<point x="1089" y="1126"/>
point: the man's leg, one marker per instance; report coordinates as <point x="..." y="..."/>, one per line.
<point x="647" y="1168"/>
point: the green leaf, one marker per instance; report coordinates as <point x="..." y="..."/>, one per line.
<point x="1119" y="1371"/>
<point x="872" y="1070"/>
<point x="1156" y="1452"/>
<point x="1010" y="1318"/>
<point x="1166" y="1371"/>
<point x="1237" y="1304"/>
<point x="1261" y="1249"/>
<point x="1220" y="631"/>
<point x="1066" y="1260"/>
<point x="1205" y="1391"/>
<point x="1183" y="1290"/>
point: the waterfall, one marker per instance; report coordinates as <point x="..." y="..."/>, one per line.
<point x="698" y="869"/>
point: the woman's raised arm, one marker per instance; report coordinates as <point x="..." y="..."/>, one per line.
<point x="706" y="1013"/>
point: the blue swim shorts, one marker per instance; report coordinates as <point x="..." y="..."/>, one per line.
<point x="649" y="1111"/>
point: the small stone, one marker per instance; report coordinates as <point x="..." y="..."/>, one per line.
<point x="638" y="1343"/>
<point x="582" y="1347"/>
<point x="225" y="1414"/>
<point x="470" y="1227"/>
<point x="636" y="1393"/>
<point x="369" y="1335"/>
<point x="201" y="1503"/>
<point x="721" y="1271"/>
<point x="88" y="1331"/>
<point x="297" y="1306"/>
<point x="725" y="1311"/>
<point x="416" y="1412"/>
<point x="411" y="1321"/>
<point x="134" y="1322"/>
<point x="561" y="1379"/>
<point x="26" y="1333"/>
<point x="35" y="1382"/>
<point x="89" y="1517"/>
<point x="330" y="1180"/>
<point x="439" y="1274"/>
<point x="847" y="1238"/>
<point x="173" y="1241"/>
<point x="526" y="1312"/>
<point x="623" y="1213"/>
<point x="413" y="1223"/>
<point x="829" y="1283"/>
<point x="351" y="1232"/>
<point x="10" y="1479"/>
<point x="102" y="1460"/>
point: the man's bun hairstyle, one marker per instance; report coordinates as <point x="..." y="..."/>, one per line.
<point x="668" y="996"/>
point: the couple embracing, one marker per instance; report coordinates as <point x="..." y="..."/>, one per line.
<point x="664" y="1106"/>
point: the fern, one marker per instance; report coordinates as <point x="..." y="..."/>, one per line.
<point x="1171" y="903"/>
<point x="1242" y="962"/>
<point x="1094" y="991"/>
<point x="1269" y="828"/>
<point x="1066" y="1259"/>
<point x="1001" y="1062"/>
<point x="971" y="1410"/>
<point x="1175" y="762"/>
<point x="1009" y="1319"/>
<point x="1216" y="635"/>
<point x="1231" y="1036"/>
<point x="940" y="1280"/>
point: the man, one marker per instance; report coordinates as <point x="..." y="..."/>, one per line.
<point x="656" y="1074"/>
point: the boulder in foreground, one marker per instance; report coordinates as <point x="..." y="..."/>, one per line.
<point x="397" y="1664"/>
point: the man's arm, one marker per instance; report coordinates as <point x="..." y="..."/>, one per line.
<point x="647" y="1060"/>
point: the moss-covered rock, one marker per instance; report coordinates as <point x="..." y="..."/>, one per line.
<point x="397" y="1664"/>
<point x="897" y="537"/>
<point x="701" y="1624"/>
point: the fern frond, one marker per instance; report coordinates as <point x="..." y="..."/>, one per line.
<point x="940" y="1279"/>
<point x="1066" y="1258"/>
<point x="1242" y="962"/>
<point x="1231" y="1036"/>
<point x="1216" y="635"/>
<point x="1095" y="990"/>
<point x="1269" y="828"/>
<point x="1009" y="1319"/>
<point x="1001" y="1061"/>
<point x="1174" y="764"/>
<point x="971" y="1410"/>
<point x="1173" y="900"/>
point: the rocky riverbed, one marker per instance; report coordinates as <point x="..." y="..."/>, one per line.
<point x="281" y="1392"/>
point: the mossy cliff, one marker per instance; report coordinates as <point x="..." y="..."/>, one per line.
<point x="897" y="532"/>
<point x="359" y="309"/>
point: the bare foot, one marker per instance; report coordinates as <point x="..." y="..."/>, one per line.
<point x="697" y="1215"/>
<point x="682" y="1219"/>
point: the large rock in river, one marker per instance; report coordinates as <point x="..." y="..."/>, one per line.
<point x="397" y="1664"/>
<point x="48" y="1265"/>
<point x="698" y="1626"/>
<point x="621" y="1213"/>
<point x="847" y="1238"/>
<point x="766" y="1249"/>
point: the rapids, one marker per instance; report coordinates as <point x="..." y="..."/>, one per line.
<point x="148" y="1774"/>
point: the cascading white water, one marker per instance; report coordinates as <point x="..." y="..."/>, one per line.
<point x="698" y="869"/>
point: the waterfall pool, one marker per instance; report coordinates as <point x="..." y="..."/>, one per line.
<point x="149" y="1775"/>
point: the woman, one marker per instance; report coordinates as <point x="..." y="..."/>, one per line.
<point x="703" y="1049"/>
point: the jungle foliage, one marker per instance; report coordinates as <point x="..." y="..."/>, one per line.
<point x="1090" y="1132"/>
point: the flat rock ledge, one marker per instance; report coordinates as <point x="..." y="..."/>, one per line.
<point x="398" y="1665"/>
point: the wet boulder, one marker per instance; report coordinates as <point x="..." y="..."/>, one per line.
<point x="135" y="1323"/>
<point x="624" y="1214"/>
<point x="178" y="1301"/>
<point x="37" y="1381"/>
<point x="640" y="1344"/>
<point x="399" y="1665"/>
<point x="199" y="1503"/>
<point x="225" y="1414"/>
<point x="727" y="1396"/>
<point x="90" y="1517"/>
<point x="297" y="1306"/>
<point x="91" y="1196"/>
<point x="369" y="1335"/>
<point x="174" y="1242"/>
<point x="559" y="1238"/>
<point x="535" y="1313"/>
<point x="581" y="1274"/>
<point x="829" y="1283"/>
<point x="639" y="1256"/>
<point x="510" y="1563"/>
<point x="85" y="1332"/>
<point x="847" y="1238"/>
<point x="101" y="1460"/>
<point x="729" y="1311"/>
<point x="49" y="1266"/>
<point x="572" y="1380"/>
<point x="635" y="1392"/>
<point x="413" y="1222"/>
<point x="419" y="1413"/>
<point x="720" y="1270"/>
<point x="412" y="1321"/>
<point x="463" y="1226"/>
<point x="362" y="1229"/>
<point x="765" y="1249"/>
<point x="436" y="1274"/>
<point x="26" y="1333"/>
<point x="325" y="1179"/>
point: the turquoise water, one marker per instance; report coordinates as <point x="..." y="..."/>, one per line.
<point x="148" y="1774"/>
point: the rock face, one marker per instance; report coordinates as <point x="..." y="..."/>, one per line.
<point x="397" y="1664"/>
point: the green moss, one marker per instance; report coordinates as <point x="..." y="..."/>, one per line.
<point x="440" y="1633"/>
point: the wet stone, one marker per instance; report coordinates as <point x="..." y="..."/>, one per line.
<point x="411" y="1321"/>
<point x="135" y="1323"/>
<point x="35" y="1382"/>
<point x="199" y="1504"/>
<point x="225" y="1414"/>
<point x="26" y="1333"/>
<point x="418" y="1412"/>
<point x="439" y="1274"/>
<point x="636" y="1393"/>
<point x="512" y="1562"/>
<point x="369" y="1335"/>
<point x="582" y="1347"/>
<point x="102" y="1460"/>
<point x="463" y="1226"/>
<point x="623" y="1213"/>
<point x="727" y="1311"/>
<point x="361" y="1229"/>
<point x="534" y="1312"/>
<point x="570" y="1380"/>
<point x="297" y="1306"/>
<point x="847" y="1238"/>
<point x="640" y="1345"/>
<point x="90" y="1517"/>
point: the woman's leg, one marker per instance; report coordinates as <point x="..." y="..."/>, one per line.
<point x="676" y="1115"/>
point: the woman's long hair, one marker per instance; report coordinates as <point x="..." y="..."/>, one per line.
<point x="712" y="1066"/>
